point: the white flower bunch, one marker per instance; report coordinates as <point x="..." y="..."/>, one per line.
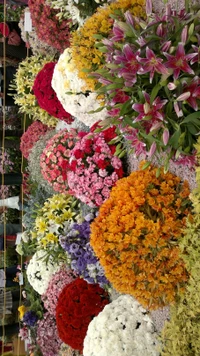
<point x="67" y="10"/>
<point x="71" y="91"/>
<point x="40" y="271"/>
<point x="122" y="328"/>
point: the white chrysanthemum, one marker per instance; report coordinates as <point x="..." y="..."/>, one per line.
<point x="122" y="328"/>
<point x="70" y="90"/>
<point x="39" y="272"/>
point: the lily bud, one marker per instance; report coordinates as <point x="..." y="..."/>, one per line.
<point x="171" y="86"/>
<point x="184" y="35"/>
<point x="165" y="136"/>
<point x="184" y="96"/>
<point x="148" y="7"/>
<point x="152" y="149"/>
<point x="179" y="112"/>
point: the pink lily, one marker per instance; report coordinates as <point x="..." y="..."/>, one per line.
<point x="129" y="18"/>
<point x="196" y="58"/>
<point x="152" y="64"/>
<point x="179" y="61"/>
<point x="148" y="111"/>
<point x="152" y="150"/>
<point x="130" y="64"/>
<point x="191" y="93"/>
<point x="165" y="136"/>
<point x="118" y="33"/>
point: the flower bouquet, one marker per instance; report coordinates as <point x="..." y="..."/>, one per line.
<point x="123" y="327"/>
<point x="49" y="28"/>
<point x="34" y="132"/>
<point x="46" y="96"/>
<point x="82" y="258"/>
<point x="23" y="84"/>
<point x="155" y="64"/>
<point x="53" y="219"/>
<point x="93" y="168"/>
<point x="47" y="336"/>
<point x="58" y="281"/>
<point x="136" y="235"/>
<point x="54" y="160"/>
<point x="40" y="271"/>
<point x="78" y="304"/>
<point x="72" y="92"/>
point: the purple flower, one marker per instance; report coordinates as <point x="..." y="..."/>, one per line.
<point x="152" y="64"/>
<point x="179" y="62"/>
<point x="30" y="318"/>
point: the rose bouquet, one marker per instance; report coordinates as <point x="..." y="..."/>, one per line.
<point x="58" y="281"/>
<point x="72" y="91"/>
<point x="155" y="64"/>
<point x="34" y="132"/>
<point x="46" y="96"/>
<point x="136" y="235"/>
<point x="49" y="28"/>
<point x="78" y="304"/>
<point x="47" y="336"/>
<point x="40" y="271"/>
<point x="53" y="219"/>
<point x="122" y="328"/>
<point x="54" y="160"/>
<point x="93" y="168"/>
<point x="82" y="258"/>
<point x="23" y="84"/>
<point x="85" y="52"/>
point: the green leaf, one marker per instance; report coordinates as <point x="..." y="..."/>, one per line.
<point x="192" y="118"/>
<point x="155" y="92"/>
<point x="126" y="107"/>
<point x="114" y="86"/>
<point x="146" y="165"/>
<point x="98" y="37"/>
<point x="174" y="140"/>
<point x="97" y="110"/>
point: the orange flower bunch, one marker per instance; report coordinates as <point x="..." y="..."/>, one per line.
<point x="136" y="236"/>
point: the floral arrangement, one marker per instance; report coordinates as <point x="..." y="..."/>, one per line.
<point x="49" y="28"/>
<point x="136" y="235"/>
<point x="34" y="169"/>
<point x="40" y="271"/>
<point x="155" y="65"/>
<point x="6" y="164"/>
<point x="88" y="56"/>
<point x="72" y="91"/>
<point x="13" y="12"/>
<point x="93" y="168"/>
<point x="53" y="218"/>
<point x="82" y="259"/>
<point x="46" y="96"/>
<point x="47" y="336"/>
<point x="35" y="131"/>
<point x="23" y="83"/>
<point x="54" y="160"/>
<point x="77" y="305"/>
<point x="37" y="46"/>
<point x="123" y="327"/>
<point x="59" y="280"/>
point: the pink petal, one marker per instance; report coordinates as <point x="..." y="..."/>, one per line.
<point x="180" y="52"/>
<point x="152" y="149"/>
<point x="138" y="107"/>
<point x="184" y="96"/>
<point x="165" y="136"/>
<point x="149" y="53"/>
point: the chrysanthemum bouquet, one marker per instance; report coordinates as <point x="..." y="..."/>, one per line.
<point x="54" y="218"/>
<point x="56" y="284"/>
<point x="81" y="255"/>
<point x="123" y="327"/>
<point x="36" y="130"/>
<point x="155" y="64"/>
<point x="46" y="96"/>
<point x="23" y="83"/>
<point x="93" y="168"/>
<point x="136" y="235"/>
<point x="54" y="160"/>
<point x="47" y="336"/>
<point x="78" y="304"/>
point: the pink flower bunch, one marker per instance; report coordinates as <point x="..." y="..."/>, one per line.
<point x="47" y="336"/>
<point x="6" y="165"/>
<point x="54" y="161"/>
<point x="49" y="28"/>
<point x="31" y="136"/>
<point x="59" y="280"/>
<point x="46" y="96"/>
<point x="93" y="169"/>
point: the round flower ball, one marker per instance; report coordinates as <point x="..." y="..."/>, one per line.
<point x="39" y="272"/>
<point x="54" y="160"/>
<point x="34" y="132"/>
<point x="122" y="328"/>
<point x="93" y="169"/>
<point x="47" y="336"/>
<point x="56" y="284"/>
<point x="46" y="96"/>
<point x="136" y="235"/>
<point x="78" y="303"/>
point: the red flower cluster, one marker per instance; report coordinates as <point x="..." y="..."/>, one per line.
<point x="31" y="136"/>
<point x="49" y="28"/>
<point x="46" y="96"/>
<point x="78" y="303"/>
<point x="54" y="160"/>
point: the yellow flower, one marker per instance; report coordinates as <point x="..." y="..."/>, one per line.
<point x="22" y="311"/>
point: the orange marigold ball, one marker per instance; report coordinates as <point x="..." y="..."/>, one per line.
<point x="136" y="236"/>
